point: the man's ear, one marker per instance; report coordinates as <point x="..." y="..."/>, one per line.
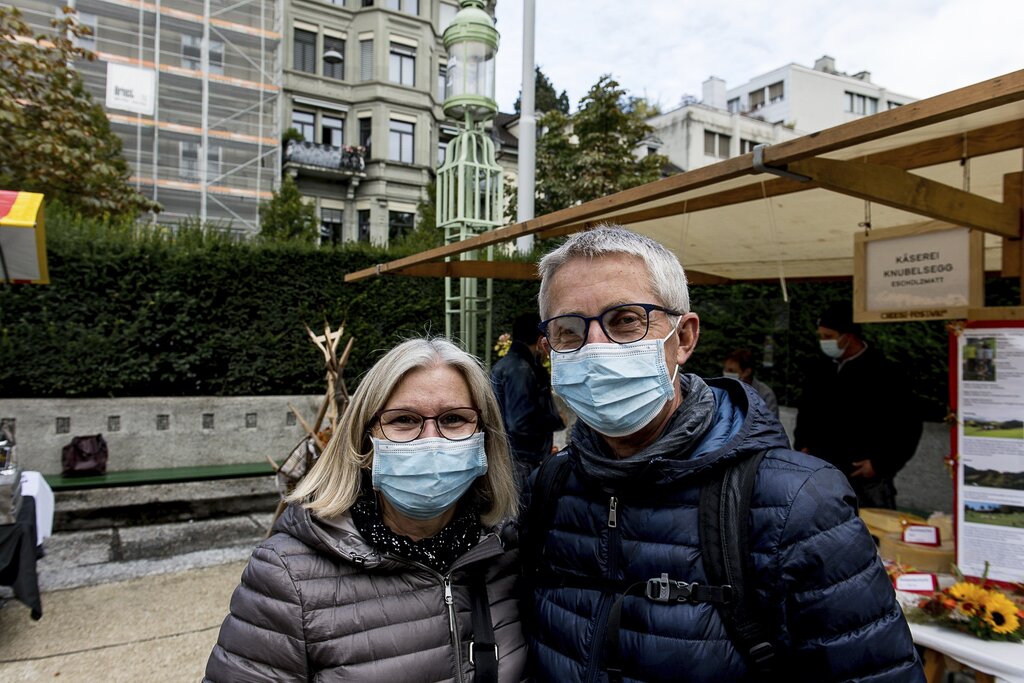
<point x="687" y="332"/>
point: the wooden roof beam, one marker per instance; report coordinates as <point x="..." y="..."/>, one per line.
<point x="902" y="190"/>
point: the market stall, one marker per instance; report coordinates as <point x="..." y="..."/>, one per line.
<point x="945" y="172"/>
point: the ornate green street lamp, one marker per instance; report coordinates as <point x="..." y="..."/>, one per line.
<point x="469" y="183"/>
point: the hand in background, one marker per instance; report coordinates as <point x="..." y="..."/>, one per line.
<point x="863" y="468"/>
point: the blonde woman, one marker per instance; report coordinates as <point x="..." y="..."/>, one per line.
<point x="386" y="565"/>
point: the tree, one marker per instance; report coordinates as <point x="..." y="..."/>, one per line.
<point x="545" y="98"/>
<point x="590" y="154"/>
<point x="57" y="139"/>
<point x="285" y="217"/>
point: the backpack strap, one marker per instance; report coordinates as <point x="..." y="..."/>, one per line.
<point x="547" y="488"/>
<point x="725" y="553"/>
<point x="483" y="649"/>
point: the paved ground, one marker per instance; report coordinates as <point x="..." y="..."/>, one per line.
<point x="130" y="601"/>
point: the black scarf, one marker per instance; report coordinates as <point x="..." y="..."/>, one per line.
<point x="437" y="552"/>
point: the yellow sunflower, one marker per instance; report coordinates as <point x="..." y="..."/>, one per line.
<point x="970" y="595"/>
<point x="1001" y="613"/>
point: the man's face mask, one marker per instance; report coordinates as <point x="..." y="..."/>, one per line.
<point x="615" y="388"/>
<point x="831" y="347"/>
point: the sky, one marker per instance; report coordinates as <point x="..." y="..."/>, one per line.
<point x="664" y="49"/>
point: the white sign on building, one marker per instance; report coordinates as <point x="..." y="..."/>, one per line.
<point x="917" y="272"/>
<point x="131" y="89"/>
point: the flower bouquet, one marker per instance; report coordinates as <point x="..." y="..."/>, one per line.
<point x="979" y="609"/>
<point x="503" y="344"/>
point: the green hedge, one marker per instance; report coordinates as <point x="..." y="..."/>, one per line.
<point x="196" y="314"/>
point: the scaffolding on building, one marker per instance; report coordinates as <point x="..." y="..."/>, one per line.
<point x="210" y="149"/>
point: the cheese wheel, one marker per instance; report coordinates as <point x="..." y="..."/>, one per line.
<point x="921" y="557"/>
<point x="944" y="523"/>
<point x="881" y="521"/>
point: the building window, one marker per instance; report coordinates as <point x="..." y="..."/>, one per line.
<point x="400" y="223"/>
<point x="861" y="104"/>
<point x="442" y="152"/>
<point x="304" y="122"/>
<point x="332" y="131"/>
<point x="716" y="144"/>
<point x="747" y="145"/>
<point x="188" y="161"/>
<point x="442" y="82"/>
<point x="733" y="105"/>
<point x="367" y="3"/>
<point x="366" y="60"/>
<point x="402" y="65"/>
<point x="448" y="13"/>
<point x="365" y="135"/>
<point x="192" y="54"/>
<point x="331" y="221"/>
<point x="337" y="3"/>
<point x="407" y="6"/>
<point x="304" y="51"/>
<point x="775" y="92"/>
<point x="755" y="99"/>
<point x="337" y="69"/>
<point x="892" y="105"/>
<point x="400" y="141"/>
<point x="364" y="225"/>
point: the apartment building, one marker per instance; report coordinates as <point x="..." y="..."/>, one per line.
<point x="192" y="88"/>
<point x="363" y="84"/>
<point x="787" y="102"/>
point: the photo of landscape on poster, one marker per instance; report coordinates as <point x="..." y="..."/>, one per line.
<point x="990" y="444"/>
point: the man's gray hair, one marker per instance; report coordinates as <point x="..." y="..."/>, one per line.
<point x="666" y="276"/>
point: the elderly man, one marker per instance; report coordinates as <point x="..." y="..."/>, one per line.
<point x="617" y="318"/>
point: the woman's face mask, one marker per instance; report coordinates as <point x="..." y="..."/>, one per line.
<point x="423" y="478"/>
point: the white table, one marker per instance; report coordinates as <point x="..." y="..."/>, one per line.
<point x="998" y="662"/>
<point x="33" y="484"/>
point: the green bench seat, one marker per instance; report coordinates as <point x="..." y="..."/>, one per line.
<point x="162" y="475"/>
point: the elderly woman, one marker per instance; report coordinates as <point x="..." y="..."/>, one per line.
<point x="386" y="565"/>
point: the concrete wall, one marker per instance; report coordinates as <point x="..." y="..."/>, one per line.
<point x="151" y="432"/>
<point x="925" y="484"/>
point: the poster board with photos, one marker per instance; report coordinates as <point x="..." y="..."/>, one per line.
<point x="987" y="393"/>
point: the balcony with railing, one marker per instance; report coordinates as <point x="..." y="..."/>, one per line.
<point x="324" y="161"/>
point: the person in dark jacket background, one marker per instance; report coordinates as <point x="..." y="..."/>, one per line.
<point x="856" y="410"/>
<point x="523" y="389"/>
<point x="618" y="321"/>
<point x="388" y="545"/>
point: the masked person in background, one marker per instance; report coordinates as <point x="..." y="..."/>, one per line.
<point x="617" y="318"/>
<point x="386" y="566"/>
<point x="739" y="364"/>
<point x="856" y="410"/>
<point x="523" y="389"/>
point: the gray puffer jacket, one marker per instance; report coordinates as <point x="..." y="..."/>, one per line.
<point x="316" y="602"/>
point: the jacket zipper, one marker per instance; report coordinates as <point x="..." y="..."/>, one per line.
<point x="449" y="600"/>
<point x="594" y="667"/>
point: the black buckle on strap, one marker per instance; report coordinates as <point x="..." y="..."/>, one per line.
<point x="664" y="589"/>
<point x="762" y="653"/>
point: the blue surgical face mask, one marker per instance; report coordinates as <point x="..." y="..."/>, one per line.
<point x="830" y="347"/>
<point x="425" y="477"/>
<point x="615" y="388"/>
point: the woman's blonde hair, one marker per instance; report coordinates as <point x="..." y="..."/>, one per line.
<point x="334" y="483"/>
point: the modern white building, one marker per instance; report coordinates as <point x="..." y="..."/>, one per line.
<point x="810" y="100"/>
<point x="788" y="102"/>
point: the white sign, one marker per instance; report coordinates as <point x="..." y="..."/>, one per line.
<point x="131" y="89"/>
<point x="915" y="272"/>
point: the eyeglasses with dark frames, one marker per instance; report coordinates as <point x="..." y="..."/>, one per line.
<point x="402" y="425"/>
<point x="622" y="324"/>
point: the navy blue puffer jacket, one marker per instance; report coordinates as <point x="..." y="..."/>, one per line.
<point x="820" y="584"/>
